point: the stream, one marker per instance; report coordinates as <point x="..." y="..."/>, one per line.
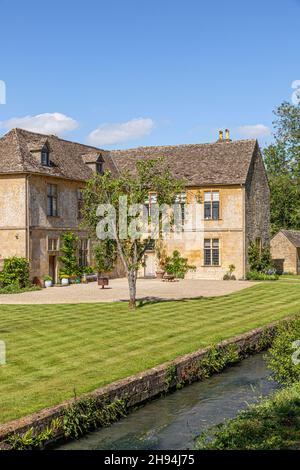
<point x="173" y="422"/>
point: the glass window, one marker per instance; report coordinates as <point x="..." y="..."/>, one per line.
<point x="83" y="252"/>
<point x="52" y="210"/>
<point x="212" y="205"/>
<point x="52" y="244"/>
<point x="211" y="252"/>
<point x="45" y="160"/>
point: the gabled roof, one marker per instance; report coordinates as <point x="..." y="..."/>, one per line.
<point x="293" y="236"/>
<point x="220" y="163"/>
<point x="198" y="164"/>
<point x="18" y="154"/>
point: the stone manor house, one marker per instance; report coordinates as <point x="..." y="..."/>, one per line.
<point x="41" y="177"/>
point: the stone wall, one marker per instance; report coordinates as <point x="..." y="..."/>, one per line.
<point x="257" y="204"/>
<point x="12" y="217"/>
<point x="139" y="388"/>
<point x="284" y="254"/>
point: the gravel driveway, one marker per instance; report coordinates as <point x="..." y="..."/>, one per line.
<point x="118" y="290"/>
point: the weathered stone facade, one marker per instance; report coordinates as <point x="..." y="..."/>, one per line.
<point x="233" y="170"/>
<point x="257" y="204"/>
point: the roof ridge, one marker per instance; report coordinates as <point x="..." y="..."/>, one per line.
<point x="183" y="145"/>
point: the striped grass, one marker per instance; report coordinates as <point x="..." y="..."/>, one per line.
<point x="54" y="350"/>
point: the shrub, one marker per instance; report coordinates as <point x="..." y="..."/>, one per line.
<point x="259" y="260"/>
<point x="178" y="266"/>
<point x="229" y="276"/>
<point x="272" y="424"/>
<point x="69" y="258"/>
<point x="280" y="357"/>
<point x="15" y="272"/>
<point x="105" y="253"/>
<point x="259" y="276"/>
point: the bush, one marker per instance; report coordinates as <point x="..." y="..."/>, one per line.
<point x="280" y="357"/>
<point x="259" y="260"/>
<point x="229" y="276"/>
<point x="258" y="276"/>
<point x="272" y="424"/>
<point x="69" y="257"/>
<point x="15" y="272"/>
<point x="178" y="266"/>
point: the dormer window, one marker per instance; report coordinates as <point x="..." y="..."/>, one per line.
<point x="45" y="159"/>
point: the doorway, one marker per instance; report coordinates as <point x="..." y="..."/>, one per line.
<point x="52" y="268"/>
<point x="150" y="267"/>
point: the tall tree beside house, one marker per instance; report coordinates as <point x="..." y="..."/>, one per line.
<point x="282" y="159"/>
<point x="69" y="259"/>
<point x="149" y="176"/>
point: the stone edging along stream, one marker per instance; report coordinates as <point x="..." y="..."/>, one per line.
<point x="142" y="387"/>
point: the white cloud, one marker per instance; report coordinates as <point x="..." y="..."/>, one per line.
<point x="116" y="133"/>
<point x="47" y="123"/>
<point x="255" y="130"/>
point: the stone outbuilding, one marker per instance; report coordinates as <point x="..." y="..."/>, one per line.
<point x="285" y="250"/>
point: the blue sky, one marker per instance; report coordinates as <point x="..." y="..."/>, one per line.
<point x="124" y="73"/>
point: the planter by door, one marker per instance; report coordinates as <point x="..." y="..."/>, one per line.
<point x="65" y="281"/>
<point x="48" y="284"/>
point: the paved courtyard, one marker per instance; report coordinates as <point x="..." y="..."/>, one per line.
<point x="118" y="291"/>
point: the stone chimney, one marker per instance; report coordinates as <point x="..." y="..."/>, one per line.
<point x="227" y="135"/>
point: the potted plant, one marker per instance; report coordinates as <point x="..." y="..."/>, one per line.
<point x="105" y="253"/>
<point x="64" y="278"/>
<point x="161" y="255"/>
<point x="48" y="281"/>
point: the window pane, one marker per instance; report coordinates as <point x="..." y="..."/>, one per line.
<point x="215" y="243"/>
<point x="207" y="257"/>
<point x="207" y="243"/>
<point x="49" y="205"/>
<point x="215" y="257"/>
<point x="215" y="210"/>
<point x="207" y="196"/>
<point x="216" y="196"/>
<point x="54" y="206"/>
<point x="207" y="210"/>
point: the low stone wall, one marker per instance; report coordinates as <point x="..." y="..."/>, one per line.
<point x="141" y="387"/>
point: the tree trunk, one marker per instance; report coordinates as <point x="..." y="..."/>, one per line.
<point x="132" y="288"/>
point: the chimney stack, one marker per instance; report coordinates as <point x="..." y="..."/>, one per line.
<point x="227" y="135"/>
<point x="220" y="136"/>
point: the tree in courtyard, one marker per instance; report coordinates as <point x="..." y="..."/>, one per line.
<point x="150" y="176"/>
<point x="69" y="254"/>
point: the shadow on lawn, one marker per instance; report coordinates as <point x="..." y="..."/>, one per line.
<point x="155" y="300"/>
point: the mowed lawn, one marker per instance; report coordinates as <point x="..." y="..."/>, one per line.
<point x="54" y="350"/>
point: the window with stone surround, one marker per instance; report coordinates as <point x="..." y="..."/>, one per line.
<point x="52" y="209"/>
<point x="211" y="252"/>
<point x="211" y="205"/>
<point x="52" y="244"/>
<point x="83" y="252"/>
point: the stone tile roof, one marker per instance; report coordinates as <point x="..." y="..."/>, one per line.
<point x="198" y="164"/>
<point x="18" y="154"/>
<point x="293" y="236"/>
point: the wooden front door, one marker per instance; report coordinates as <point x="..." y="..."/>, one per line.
<point x="52" y="268"/>
<point x="150" y="264"/>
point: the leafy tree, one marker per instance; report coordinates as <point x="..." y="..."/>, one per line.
<point x="105" y="253"/>
<point x="149" y="176"/>
<point x="282" y="159"/>
<point x="69" y="257"/>
<point x="259" y="260"/>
